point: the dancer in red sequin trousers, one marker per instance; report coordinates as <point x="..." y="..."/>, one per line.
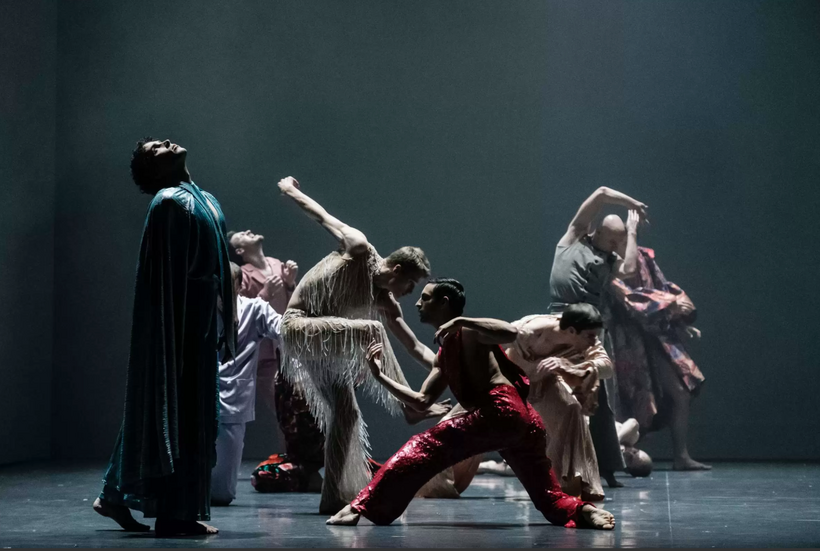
<point x="492" y="390"/>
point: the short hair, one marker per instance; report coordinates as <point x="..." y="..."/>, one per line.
<point x="142" y="169"/>
<point x="411" y="259"/>
<point x="235" y="258"/>
<point x="581" y="316"/>
<point x="453" y="290"/>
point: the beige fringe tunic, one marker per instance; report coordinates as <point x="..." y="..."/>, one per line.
<point x="324" y="355"/>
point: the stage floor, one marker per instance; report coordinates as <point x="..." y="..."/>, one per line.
<point x="735" y="505"/>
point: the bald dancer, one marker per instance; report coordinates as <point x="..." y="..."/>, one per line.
<point x="585" y="264"/>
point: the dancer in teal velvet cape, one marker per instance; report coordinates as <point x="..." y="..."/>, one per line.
<point x="162" y="459"/>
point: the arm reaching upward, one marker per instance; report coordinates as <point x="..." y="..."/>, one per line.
<point x="353" y="241"/>
<point x="433" y="387"/>
<point x="629" y="266"/>
<point x="592" y="206"/>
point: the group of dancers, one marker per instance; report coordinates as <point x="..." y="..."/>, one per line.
<point x="542" y="391"/>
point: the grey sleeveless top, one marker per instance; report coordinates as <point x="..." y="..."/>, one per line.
<point x="579" y="274"/>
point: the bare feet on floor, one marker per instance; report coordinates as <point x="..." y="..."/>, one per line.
<point x="119" y="514"/>
<point x="167" y="528"/>
<point x="689" y="464"/>
<point x="345" y="517"/>
<point x="598" y="518"/>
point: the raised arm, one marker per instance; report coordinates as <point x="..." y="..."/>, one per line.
<point x="629" y="265"/>
<point x="395" y="322"/>
<point x="592" y="206"/>
<point x="487" y="330"/>
<point x="353" y="241"/>
<point x="433" y="386"/>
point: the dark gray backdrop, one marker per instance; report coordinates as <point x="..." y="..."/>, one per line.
<point x="474" y="130"/>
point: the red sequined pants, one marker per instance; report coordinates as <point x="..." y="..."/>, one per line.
<point x="505" y="423"/>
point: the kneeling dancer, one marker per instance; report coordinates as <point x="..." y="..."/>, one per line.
<point x="493" y="391"/>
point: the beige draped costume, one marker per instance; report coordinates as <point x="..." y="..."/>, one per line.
<point x="324" y="354"/>
<point x="564" y="402"/>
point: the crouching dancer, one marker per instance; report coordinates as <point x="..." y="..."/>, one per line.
<point x="493" y="391"/>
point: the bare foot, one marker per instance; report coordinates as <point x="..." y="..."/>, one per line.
<point x="598" y="518"/>
<point x="168" y="528"/>
<point x="119" y="514"/>
<point x="611" y="481"/>
<point x="345" y="517"/>
<point x="690" y="464"/>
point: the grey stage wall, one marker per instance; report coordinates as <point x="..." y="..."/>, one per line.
<point x="28" y="43"/>
<point x="474" y="130"/>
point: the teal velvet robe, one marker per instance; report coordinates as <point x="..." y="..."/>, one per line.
<point x="161" y="464"/>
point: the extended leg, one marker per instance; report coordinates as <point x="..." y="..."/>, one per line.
<point x="679" y="398"/>
<point x="533" y="468"/>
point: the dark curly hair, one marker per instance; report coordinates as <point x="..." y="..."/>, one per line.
<point x="142" y="169"/>
<point x="453" y="290"/>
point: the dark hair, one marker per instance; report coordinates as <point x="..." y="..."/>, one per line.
<point x="142" y="169"/>
<point x="581" y="316"/>
<point x="235" y="258"/>
<point x="453" y="290"/>
<point x="412" y="260"/>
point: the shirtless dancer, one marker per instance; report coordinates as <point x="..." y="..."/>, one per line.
<point x="335" y="312"/>
<point x="565" y="362"/>
<point x="493" y="391"/>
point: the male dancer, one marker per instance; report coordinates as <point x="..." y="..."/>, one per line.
<point x="583" y="267"/>
<point x="651" y="319"/>
<point x="332" y="317"/>
<point x="274" y="281"/>
<point x="257" y="322"/>
<point x="493" y="390"/>
<point x="161" y="464"/>
<point x="564" y="361"/>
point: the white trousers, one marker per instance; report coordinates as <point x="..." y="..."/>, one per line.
<point x="230" y="441"/>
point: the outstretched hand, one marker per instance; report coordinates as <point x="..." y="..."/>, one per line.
<point x="287" y="184"/>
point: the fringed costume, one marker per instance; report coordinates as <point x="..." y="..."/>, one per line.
<point x="324" y="347"/>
